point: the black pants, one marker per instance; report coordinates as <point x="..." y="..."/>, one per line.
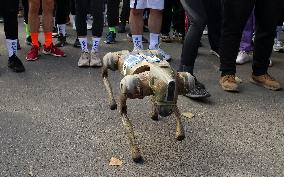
<point x="9" y="12"/>
<point x="201" y="13"/>
<point x="26" y="10"/>
<point x="62" y="9"/>
<point x="173" y="13"/>
<point x="125" y="12"/>
<point x="236" y="13"/>
<point x="113" y="12"/>
<point x="96" y="9"/>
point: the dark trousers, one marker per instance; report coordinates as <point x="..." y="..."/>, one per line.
<point x="125" y="12"/>
<point x="236" y="13"/>
<point x="113" y="13"/>
<point x="96" y="10"/>
<point x="62" y="10"/>
<point x="9" y="12"/>
<point x="173" y="13"/>
<point x="201" y="13"/>
<point x="26" y="10"/>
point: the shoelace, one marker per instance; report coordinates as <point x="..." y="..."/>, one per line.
<point x="230" y="78"/>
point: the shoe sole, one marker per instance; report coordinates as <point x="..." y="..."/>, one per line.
<point x="229" y="89"/>
<point x="265" y="86"/>
<point x="48" y="53"/>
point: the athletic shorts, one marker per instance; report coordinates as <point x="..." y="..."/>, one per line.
<point x="143" y="4"/>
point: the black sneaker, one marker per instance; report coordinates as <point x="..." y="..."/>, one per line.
<point x="198" y="92"/>
<point x="61" y="41"/>
<point x="110" y="38"/>
<point x="15" y="64"/>
<point x="121" y="28"/>
<point x="144" y="40"/>
<point x="77" y="43"/>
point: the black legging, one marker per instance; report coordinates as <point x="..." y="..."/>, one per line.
<point x="173" y="13"/>
<point x="62" y="9"/>
<point x="113" y="12"/>
<point x="97" y="8"/>
<point x="201" y="13"/>
<point x="9" y="11"/>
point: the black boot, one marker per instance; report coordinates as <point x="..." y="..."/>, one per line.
<point x="15" y="64"/>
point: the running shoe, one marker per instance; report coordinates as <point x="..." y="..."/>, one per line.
<point x="278" y="46"/>
<point x="54" y="51"/>
<point x="33" y="54"/>
<point x="95" y="60"/>
<point x="110" y="38"/>
<point x="77" y="43"/>
<point x="61" y="41"/>
<point x="198" y="92"/>
<point x="15" y="64"/>
<point x="84" y="59"/>
<point x="243" y="57"/>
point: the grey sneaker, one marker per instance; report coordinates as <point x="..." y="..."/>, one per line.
<point x="95" y="60"/>
<point x="84" y="59"/>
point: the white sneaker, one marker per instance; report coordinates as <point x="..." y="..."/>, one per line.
<point x="214" y="53"/>
<point x="243" y="57"/>
<point x="95" y="59"/>
<point x="278" y="46"/>
<point x="165" y="55"/>
<point x="84" y="59"/>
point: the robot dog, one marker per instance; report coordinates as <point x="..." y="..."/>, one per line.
<point x="146" y="74"/>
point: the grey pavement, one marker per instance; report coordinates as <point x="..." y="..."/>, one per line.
<point x="55" y="122"/>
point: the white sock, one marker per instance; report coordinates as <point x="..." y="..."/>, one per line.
<point x="73" y="21"/>
<point x="96" y="43"/>
<point x="61" y="29"/>
<point x="137" y="42"/>
<point x="154" y="41"/>
<point x="11" y="46"/>
<point x="84" y="44"/>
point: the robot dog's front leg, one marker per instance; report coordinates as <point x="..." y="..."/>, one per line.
<point x="110" y="61"/>
<point x="135" y="152"/>
<point x="133" y="86"/>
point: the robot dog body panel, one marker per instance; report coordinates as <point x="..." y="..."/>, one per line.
<point x="146" y="74"/>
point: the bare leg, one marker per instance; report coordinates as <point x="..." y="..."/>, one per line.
<point x="47" y="7"/>
<point x="155" y="21"/>
<point x="33" y="15"/>
<point x="179" y="129"/>
<point x="113" y="104"/>
<point x="135" y="152"/>
<point x="136" y="21"/>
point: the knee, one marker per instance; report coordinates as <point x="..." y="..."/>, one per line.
<point x="34" y="6"/>
<point x="137" y="13"/>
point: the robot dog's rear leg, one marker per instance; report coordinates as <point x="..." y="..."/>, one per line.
<point x="135" y="152"/>
<point x="113" y="104"/>
<point x="154" y="113"/>
<point x="179" y="129"/>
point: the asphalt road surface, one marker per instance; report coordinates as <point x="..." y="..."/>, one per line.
<point x="55" y="122"/>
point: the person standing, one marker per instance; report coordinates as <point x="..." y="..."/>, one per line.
<point x="236" y="14"/>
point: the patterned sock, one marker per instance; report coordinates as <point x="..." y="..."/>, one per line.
<point x="11" y="46"/>
<point x="154" y="41"/>
<point x="61" y="29"/>
<point x="96" y="42"/>
<point x="84" y="44"/>
<point x="137" y="42"/>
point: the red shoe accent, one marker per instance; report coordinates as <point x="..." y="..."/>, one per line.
<point x="33" y="54"/>
<point x="52" y="50"/>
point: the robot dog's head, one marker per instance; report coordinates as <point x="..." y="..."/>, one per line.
<point x="163" y="84"/>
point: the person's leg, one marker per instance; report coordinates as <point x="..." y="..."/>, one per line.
<point x="10" y="15"/>
<point x="61" y="14"/>
<point x="155" y="23"/>
<point x="136" y="22"/>
<point x="113" y="20"/>
<point x="97" y="29"/>
<point x="198" y="19"/>
<point x="124" y="16"/>
<point x="214" y="22"/>
<point x="178" y="21"/>
<point x="235" y="17"/>
<point x="264" y="33"/>
<point x="81" y="26"/>
<point x="167" y="20"/>
<point x="246" y="41"/>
